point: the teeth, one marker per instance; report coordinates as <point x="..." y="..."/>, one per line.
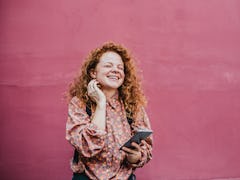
<point x="113" y="77"/>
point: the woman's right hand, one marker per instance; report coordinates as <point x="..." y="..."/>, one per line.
<point x="95" y="93"/>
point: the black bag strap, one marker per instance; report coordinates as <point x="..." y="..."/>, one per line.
<point x="89" y="112"/>
<point x="130" y="120"/>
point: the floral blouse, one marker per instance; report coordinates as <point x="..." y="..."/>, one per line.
<point x="99" y="151"/>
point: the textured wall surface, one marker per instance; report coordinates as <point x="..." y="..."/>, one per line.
<point x="189" y="54"/>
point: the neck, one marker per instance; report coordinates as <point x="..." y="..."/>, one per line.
<point x="109" y="92"/>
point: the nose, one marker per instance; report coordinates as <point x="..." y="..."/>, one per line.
<point x="115" y="69"/>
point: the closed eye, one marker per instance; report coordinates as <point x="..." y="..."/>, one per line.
<point x="108" y="65"/>
<point x="121" y="68"/>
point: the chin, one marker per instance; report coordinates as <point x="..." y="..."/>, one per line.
<point x="114" y="87"/>
<point x="111" y="86"/>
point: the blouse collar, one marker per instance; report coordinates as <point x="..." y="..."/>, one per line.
<point x="114" y="100"/>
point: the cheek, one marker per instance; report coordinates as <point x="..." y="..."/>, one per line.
<point x="101" y="77"/>
<point x="123" y="78"/>
<point x="101" y="74"/>
<point x="123" y="75"/>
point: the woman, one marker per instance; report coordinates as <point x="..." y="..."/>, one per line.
<point x="106" y="107"/>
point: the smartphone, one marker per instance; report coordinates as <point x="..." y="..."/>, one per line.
<point x="141" y="134"/>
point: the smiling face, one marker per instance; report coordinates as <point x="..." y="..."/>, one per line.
<point x="109" y="72"/>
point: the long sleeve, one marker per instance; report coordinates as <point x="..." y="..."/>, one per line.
<point x="81" y="133"/>
<point x="142" y="122"/>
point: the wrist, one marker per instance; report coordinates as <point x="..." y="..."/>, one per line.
<point x="101" y="105"/>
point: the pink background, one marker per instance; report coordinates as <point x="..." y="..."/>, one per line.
<point x="189" y="53"/>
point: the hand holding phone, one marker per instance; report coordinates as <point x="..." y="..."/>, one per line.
<point x="141" y="134"/>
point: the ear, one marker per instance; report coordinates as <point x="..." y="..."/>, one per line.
<point x="93" y="74"/>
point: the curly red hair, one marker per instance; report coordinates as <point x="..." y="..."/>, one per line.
<point x="130" y="92"/>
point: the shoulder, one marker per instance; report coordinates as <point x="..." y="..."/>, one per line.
<point x="75" y="101"/>
<point x="142" y="118"/>
<point x="141" y="112"/>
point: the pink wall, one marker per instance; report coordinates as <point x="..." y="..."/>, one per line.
<point x="188" y="51"/>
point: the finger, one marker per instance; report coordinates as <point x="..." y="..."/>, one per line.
<point x="144" y="143"/>
<point x="89" y="90"/>
<point x="124" y="153"/>
<point x="128" y="150"/>
<point x="98" y="84"/>
<point x="134" y="165"/>
<point x="136" y="146"/>
<point x="96" y="88"/>
<point x="90" y="87"/>
<point x="95" y="85"/>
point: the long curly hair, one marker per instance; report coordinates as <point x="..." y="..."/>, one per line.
<point x="130" y="92"/>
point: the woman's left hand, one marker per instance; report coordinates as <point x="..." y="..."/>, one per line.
<point x="133" y="154"/>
